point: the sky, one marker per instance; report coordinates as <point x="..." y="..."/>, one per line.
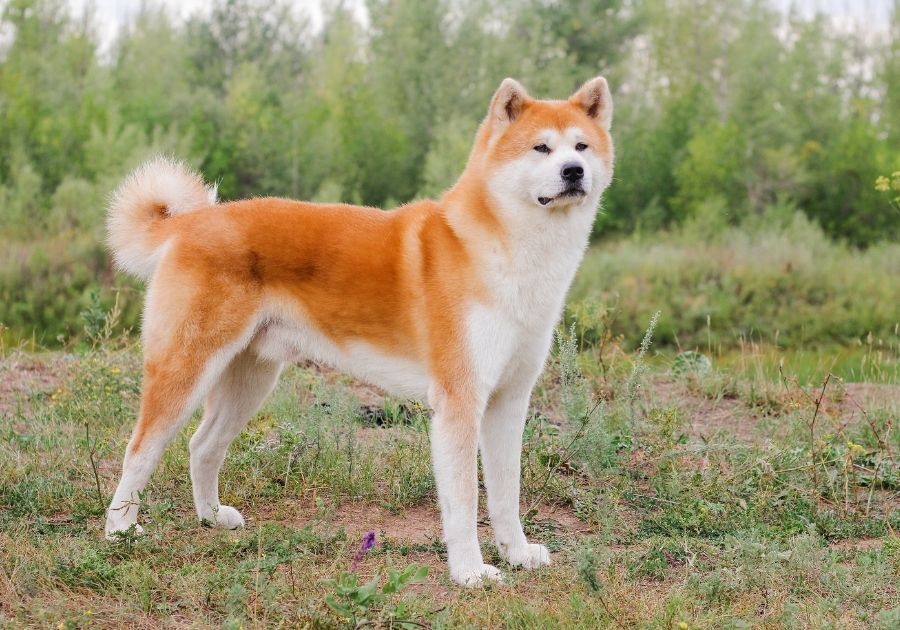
<point x="111" y="14"/>
<point x="845" y="12"/>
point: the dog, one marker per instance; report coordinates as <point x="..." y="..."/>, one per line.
<point x="452" y="301"/>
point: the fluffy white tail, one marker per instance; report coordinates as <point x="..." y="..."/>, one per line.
<point x="158" y="189"/>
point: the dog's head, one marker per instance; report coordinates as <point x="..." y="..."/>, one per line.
<point x="547" y="155"/>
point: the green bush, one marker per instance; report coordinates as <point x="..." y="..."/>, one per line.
<point x="788" y="285"/>
<point x="45" y="285"/>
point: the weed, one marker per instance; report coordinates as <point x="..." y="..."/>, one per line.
<point x="587" y="565"/>
<point x="691" y="362"/>
<point x="549" y="454"/>
<point x="638" y="368"/>
<point x="357" y="602"/>
<point x="100" y="322"/>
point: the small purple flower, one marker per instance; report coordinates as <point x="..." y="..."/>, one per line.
<point x="368" y="542"/>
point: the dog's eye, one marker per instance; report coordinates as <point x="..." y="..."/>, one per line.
<point x="581" y="146"/>
<point x="542" y="148"/>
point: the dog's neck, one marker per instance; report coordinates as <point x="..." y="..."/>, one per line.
<point x="525" y="233"/>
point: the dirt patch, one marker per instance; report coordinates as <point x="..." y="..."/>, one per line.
<point x="414" y="525"/>
<point x="416" y="528"/>
<point x="857" y="399"/>
<point x="846" y="404"/>
<point x="726" y="415"/>
<point x="417" y="525"/>
<point x="24" y="377"/>
<point x="563" y="519"/>
<point x="706" y="416"/>
<point x="861" y="544"/>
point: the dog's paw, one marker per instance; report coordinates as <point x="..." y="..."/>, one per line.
<point x="228" y="518"/>
<point x="477" y="576"/>
<point x="224" y="517"/>
<point x="528" y="556"/>
<point x="116" y="532"/>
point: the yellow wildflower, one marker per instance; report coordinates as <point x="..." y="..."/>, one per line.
<point x="882" y="184"/>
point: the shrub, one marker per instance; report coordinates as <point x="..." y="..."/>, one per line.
<point x="788" y="285"/>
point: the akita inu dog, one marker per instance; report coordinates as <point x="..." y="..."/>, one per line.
<point x="452" y="301"/>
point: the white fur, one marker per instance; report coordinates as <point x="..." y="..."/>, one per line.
<point x="160" y="182"/>
<point x="454" y="458"/>
<point x="235" y="398"/>
<point x="294" y="338"/>
<point x="537" y="174"/>
<point x="509" y="340"/>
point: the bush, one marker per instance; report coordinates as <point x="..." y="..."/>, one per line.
<point x="786" y="284"/>
<point x="45" y="285"/>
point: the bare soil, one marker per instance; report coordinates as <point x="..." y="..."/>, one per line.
<point x="25" y="377"/>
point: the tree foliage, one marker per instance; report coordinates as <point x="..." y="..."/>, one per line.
<point x="715" y="100"/>
<point x="722" y="107"/>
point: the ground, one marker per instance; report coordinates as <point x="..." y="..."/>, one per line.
<point x="705" y="498"/>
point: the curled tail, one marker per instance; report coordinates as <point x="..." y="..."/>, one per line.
<point x="160" y="188"/>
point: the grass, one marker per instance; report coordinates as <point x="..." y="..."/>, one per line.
<point x="708" y="496"/>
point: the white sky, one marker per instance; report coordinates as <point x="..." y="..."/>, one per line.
<point x="868" y="15"/>
<point x="111" y="14"/>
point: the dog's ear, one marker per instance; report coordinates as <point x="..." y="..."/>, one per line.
<point x="508" y="102"/>
<point x="594" y="98"/>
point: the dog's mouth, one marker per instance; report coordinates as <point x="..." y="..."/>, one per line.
<point x="568" y="192"/>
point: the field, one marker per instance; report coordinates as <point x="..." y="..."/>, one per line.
<point x="674" y="491"/>
<point x="728" y="463"/>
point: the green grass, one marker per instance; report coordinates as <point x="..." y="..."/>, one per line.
<point x="699" y="500"/>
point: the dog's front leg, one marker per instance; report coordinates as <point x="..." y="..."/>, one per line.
<point x="454" y="452"/>
<point x="501" y="450"/>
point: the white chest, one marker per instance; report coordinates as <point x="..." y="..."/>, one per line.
<point x="530" y="279"/>
<point x="527" y="286"/>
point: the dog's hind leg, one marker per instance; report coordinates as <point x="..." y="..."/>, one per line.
<point x="176" y="379"/>
<point x="235" y="398"/>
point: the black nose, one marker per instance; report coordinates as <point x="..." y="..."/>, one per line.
<point x="572" y="172"/>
